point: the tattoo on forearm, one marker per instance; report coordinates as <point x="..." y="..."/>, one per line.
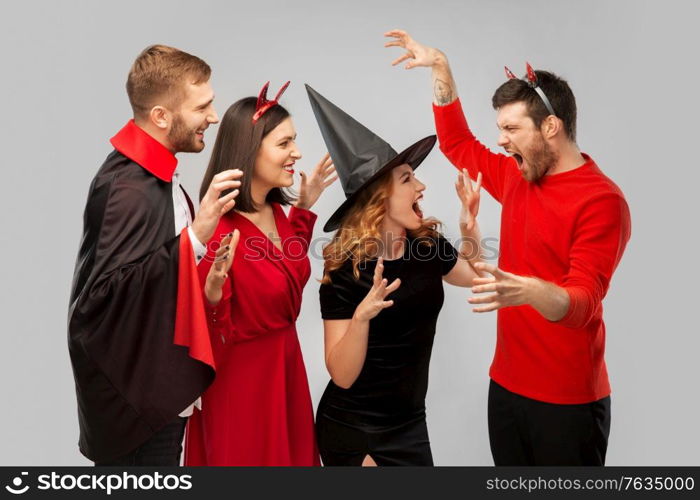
<point x="443" y="92"/>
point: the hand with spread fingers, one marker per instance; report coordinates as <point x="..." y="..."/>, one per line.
<point x="218" y="273"/>
<point x="213" y="205"/>
<point x="374" y="302"/>
<point x="313" y="185"/>
<point x="419" y="55"/>
<point x="444" y="87"/>
<point x="470" y="198"/>
<point x="510" y="289"/>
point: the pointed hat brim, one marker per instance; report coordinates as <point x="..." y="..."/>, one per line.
<point x="413" y="155"/>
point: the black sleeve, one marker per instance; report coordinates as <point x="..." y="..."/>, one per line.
<point x="123" y="255"/>
<point x="336" y="301"/>
<point x="447" y="254"/>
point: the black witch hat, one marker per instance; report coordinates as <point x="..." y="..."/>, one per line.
<point x="360" y="156"/>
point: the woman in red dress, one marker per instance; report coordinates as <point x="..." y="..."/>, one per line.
<point x="258" y="410"/>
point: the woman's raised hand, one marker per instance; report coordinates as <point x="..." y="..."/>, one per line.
<point x="374" y="302"/>
<point x="470" y="198"/>
<point x="313" y="185"/>
<point x="218" y="273"/>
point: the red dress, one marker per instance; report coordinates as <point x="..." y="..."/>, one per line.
<point x="258" y="410"/>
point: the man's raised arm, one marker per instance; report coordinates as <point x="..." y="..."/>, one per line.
<point x="457" y="142"/>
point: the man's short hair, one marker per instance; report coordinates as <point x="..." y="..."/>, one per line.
<point x="555" y="88"/>
<point x="158" y="76"/>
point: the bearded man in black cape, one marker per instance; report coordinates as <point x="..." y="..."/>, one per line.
<point x="137" y="332"/>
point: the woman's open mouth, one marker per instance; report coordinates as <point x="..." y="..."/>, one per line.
<point x="417" y="210"/>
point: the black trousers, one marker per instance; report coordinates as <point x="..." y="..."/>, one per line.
<point x="523" y="431"/>
<point x="162" y="449"/>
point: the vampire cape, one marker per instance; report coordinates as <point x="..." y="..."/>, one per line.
<point x="137" y="330"/>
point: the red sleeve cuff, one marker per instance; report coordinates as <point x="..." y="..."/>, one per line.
<point x="450" y="115"/>
<point x="446" y="110"/>
<point x="213" y="312"/>
<point x="211" y="308"/>
<point x="302" y="222"/>
<point x="580" y="308"/>
<point x="301" y="213"/>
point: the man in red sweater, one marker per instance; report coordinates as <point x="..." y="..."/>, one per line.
<point x="564" y="227"/>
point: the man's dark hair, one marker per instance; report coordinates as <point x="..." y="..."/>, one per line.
<point x="555" y="88"/>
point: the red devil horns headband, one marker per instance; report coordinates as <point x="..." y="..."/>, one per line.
<point x="533" y="83"/>
<point x="263" y="104"/>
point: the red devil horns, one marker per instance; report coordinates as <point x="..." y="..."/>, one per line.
<point x="534" y="84"/>
<point x="263" y="104"/>
<point x="262" y="96"/>
<point x="531" y="76"/>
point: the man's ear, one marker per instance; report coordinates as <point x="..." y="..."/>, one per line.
<point x="551" y="126"/>
<point x="160" y="117"/>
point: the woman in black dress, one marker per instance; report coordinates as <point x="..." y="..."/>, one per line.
<point x="381" y="294"/>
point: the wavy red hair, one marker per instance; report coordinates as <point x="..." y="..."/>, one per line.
<point x="359" y="237"/>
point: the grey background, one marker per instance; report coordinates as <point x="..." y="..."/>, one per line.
<point x="633" y="68"/>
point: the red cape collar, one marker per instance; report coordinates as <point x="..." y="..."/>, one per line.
<point x="137" y="145"/>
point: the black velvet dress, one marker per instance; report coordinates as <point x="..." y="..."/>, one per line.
<point x="383" y="413"/>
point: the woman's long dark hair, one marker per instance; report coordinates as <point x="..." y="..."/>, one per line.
<point x="237" y="143"/>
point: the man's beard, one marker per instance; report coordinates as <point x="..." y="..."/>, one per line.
<point x="182" y="139"/>
<point x="540" y="160"/>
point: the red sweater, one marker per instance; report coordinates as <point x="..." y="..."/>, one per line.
<point x="569" y="229"/>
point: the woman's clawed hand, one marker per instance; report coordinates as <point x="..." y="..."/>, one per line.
<point x="218" y="273"/>
<point x="374" y="302"/>
<point x="313" y="185"/>
<point x="470" y="198"/>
